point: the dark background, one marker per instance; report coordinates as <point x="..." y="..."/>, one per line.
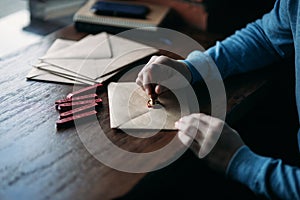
<point x="226" y="16"/>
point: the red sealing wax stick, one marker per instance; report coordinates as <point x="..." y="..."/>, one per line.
<point x="78" y="98"/>
<point x="66" y="122"/>
<point x="83" y="90"/>
<point x="68" y="106"/>
<point x="77" y="110"/>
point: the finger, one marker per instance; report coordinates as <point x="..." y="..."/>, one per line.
<point x="210" y="141"/>
<point x="214" y="127"/>
<point x="184" y="139"/>
<point x="159" y="89"/>
<point x="192" y="127"/>
<point x="201" y="116"/>
<point x="195" y="147"/>
<point x="186" y="128"/>
<point x="141" y="74"/>
<point x="139" y="81"/>
<point x="147" y="82"/>
<point x="152" y="59"/>
<point x="208" y="131"/>
<point x="150" y="80"/>
<point x="203" y="123"/>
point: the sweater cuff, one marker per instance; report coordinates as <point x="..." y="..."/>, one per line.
<point x="202" y="66"/>
<point x="244" y="166"/>
<point x="195" y="74"/>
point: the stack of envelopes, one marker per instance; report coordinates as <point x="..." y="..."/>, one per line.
<point x="91" y="60"/>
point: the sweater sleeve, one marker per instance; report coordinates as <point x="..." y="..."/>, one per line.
<point x="264" y="176"/>
<point x="257" y="45"/>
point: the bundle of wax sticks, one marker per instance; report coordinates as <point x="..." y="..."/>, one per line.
<point x="79" y="105"/>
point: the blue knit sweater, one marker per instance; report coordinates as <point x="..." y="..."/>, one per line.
<point x="273" y="37"/>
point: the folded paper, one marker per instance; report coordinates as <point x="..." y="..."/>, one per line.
<point x="43" y="72"/>
<point x="123" y="52"/>
<point x="90" y="47"/>
<point x="128" y="108"/>
<point x="42" y="75"/>
<point x="91" y="60"/>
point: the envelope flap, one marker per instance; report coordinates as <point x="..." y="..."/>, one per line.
<point x="125" y="52"/>
<point x="126" y="59"/>
<point x="59" y="44"/>
<point x="128" y="108"/>
<point x="126" y="101"/>
<point x="74" y="58"/>
<point x="90" y="68"/>
<point x="90" y="47"/>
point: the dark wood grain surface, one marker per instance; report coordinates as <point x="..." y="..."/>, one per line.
<point x="38" y="162"/>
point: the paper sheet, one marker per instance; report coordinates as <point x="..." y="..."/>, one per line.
<point x="128" y="108"/>
<point x="123" y="51"/>
<point x="91" y="60"/>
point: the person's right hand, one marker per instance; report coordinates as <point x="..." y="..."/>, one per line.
<point x="210" y="138"/>
<point x="162" y="71"/>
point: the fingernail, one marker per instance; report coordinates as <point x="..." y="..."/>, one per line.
<point x="176" y="124"/>
<point x="157" y="89"/>
<point x="147" y="91"/>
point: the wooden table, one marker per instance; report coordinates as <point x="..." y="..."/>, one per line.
<point x="37" y="162"/>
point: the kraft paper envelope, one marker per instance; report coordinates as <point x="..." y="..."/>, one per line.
<point x="123" y="53"/>
<point x="77" y="50"/>
<point x="42" y="75"/>
<point x="62" y="72"/>
<point x="128" y="108"/>
<point x="40" y="72"/>
<point x="46" y="72"/>
<point x="71" y="75"/>
<point x="58" y="45"/>
<point x="91" y="47"/>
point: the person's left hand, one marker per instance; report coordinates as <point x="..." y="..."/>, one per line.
<point x="213" y="139"/>
<point x="162" y="72"/>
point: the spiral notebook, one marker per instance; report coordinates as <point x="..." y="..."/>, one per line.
<point x="86" y="21"/>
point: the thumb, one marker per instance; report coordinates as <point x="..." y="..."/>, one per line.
<point x="160" y="89"/>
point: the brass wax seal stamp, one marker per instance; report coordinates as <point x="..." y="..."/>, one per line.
<point x="153" y="103"/>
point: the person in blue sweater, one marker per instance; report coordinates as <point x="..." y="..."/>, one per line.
<point x="274" y="37"/>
